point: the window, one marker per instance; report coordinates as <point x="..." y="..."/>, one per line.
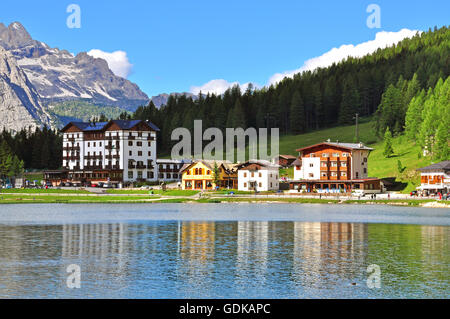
<point x="344" y="154"/>
<point x="365" y="170"/>
<point x="365" y="159"/>
<point x="149" y="153"/>
<point x="324" y="174"/>
<point x="130" y="153"/>
<point x="139" y="143"/>
<point x="311" y="155"/>
<point x="325" y="155"/>
<point x="94" y="144"/>
<point x="89" y="144"/>
<point x="323" y="164"/>
<point x="208" y="172"/>
<point x="334" y="164"/>
<point x="188" y="172"/>
<point x="245" y="174"/>
<point x="335" y="154"/>
<point x="130" y="143"/>
<point x="260" y="175"/>
<point x="260" y="184"/>
<point x="253" y="174"/>
<point x="357" y="174"/>
<point x="344" y="164"/>
<point x="311" y="175"/>
<point x="333" y="174"/>
<point x="139" y="153"/>
<point x="245" y="184"/>
<point x="311" y="165"/>
<point x="130" y="175"/>
<point x="188" y="184"/>
<point x="100" y="144"/>
<point x="149" y="144"/>
<point x="344" y="174"/>
<point x="139" y="174"/>
<point x="270" y="185"/>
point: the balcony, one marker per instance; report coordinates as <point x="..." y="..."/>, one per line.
<point x="131" y="137"/>
<point x="131" y="166"/>
<point x="115" y="167"/>
<point x="93" y="157"/>
<point x="141" y="166"/>
<point x="112" y="147"/>
<point x="71" y="148"/>
<point x="93" y="167"/>
<point x="71" y="158"/>
<point x="150" y="138"/>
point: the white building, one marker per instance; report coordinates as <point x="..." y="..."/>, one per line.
<point x="117" y="151"/>
<point x="435" y="178"/>
<point x="258" y="175"/>
<point x="333" y="168"/>
<point x="169" y="170"/>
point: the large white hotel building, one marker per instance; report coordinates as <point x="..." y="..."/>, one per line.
<point x="117" y="152"/>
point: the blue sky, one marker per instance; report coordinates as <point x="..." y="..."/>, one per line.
<point x="175" y="45"/>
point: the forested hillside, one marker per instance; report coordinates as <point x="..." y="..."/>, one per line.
<point x="323" y="98"/>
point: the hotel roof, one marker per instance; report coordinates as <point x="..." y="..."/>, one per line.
<point x="100" y="126"/>
<point x="349" y="146"/>
<point x="442" y="166"/>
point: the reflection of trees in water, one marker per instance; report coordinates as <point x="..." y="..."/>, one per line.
<point x="410" y="254"/>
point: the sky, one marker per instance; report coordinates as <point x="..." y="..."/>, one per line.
<point x="188" y="46"/>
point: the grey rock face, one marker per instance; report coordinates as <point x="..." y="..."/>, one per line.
<point x="161" y="99"/>
<point x="57" y="75"/>
<point x="20" y="105"/>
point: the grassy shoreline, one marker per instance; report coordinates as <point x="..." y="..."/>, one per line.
<point x="111" y="199"/>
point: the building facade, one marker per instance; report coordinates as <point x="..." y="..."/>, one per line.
<point x="435" y="178"/>
<point x="334" y="167"/>
<point x="258" y="175"/>
<point x="115" y="152"/>
<point x="170" y="170"/>
<point x="199" y="175"/>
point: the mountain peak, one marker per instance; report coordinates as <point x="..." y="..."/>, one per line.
<point x="15" y="35"/>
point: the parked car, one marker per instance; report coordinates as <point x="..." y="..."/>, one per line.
<point x="358" y="192"/>
<point x="413" y="193"/>
<point x="48" y="184"/>
<point x="100" y="184"/>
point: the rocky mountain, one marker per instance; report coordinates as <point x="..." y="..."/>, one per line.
<point x="57" y="75"/>
<point x="161" y="99"/>
<point x="20" y="104"/>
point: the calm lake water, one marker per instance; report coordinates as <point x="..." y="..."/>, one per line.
<point x="223" y="251"/>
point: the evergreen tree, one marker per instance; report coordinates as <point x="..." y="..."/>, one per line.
<point x="297" y="114"/>
<point x="349" y="104"/>
<point x="388" y="150"/>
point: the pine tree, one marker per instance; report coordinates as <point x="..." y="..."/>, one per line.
<point x="388" y="150"/>
<point x="297" y="114"/>
<point x="350" y="103"/>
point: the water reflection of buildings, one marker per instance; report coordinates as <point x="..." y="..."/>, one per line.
<point x="325" y="252"/>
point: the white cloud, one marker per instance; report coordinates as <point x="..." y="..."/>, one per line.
<point x="117" y="61"/>
<point x="218" y="87"/>
<point x="382" y="39"/>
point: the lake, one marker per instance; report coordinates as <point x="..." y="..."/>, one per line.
<point x="223" y="251"/>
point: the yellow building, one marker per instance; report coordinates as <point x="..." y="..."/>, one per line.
<point x="200" y="175"/>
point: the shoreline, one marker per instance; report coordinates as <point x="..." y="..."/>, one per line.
<point x="12" y="199"/>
